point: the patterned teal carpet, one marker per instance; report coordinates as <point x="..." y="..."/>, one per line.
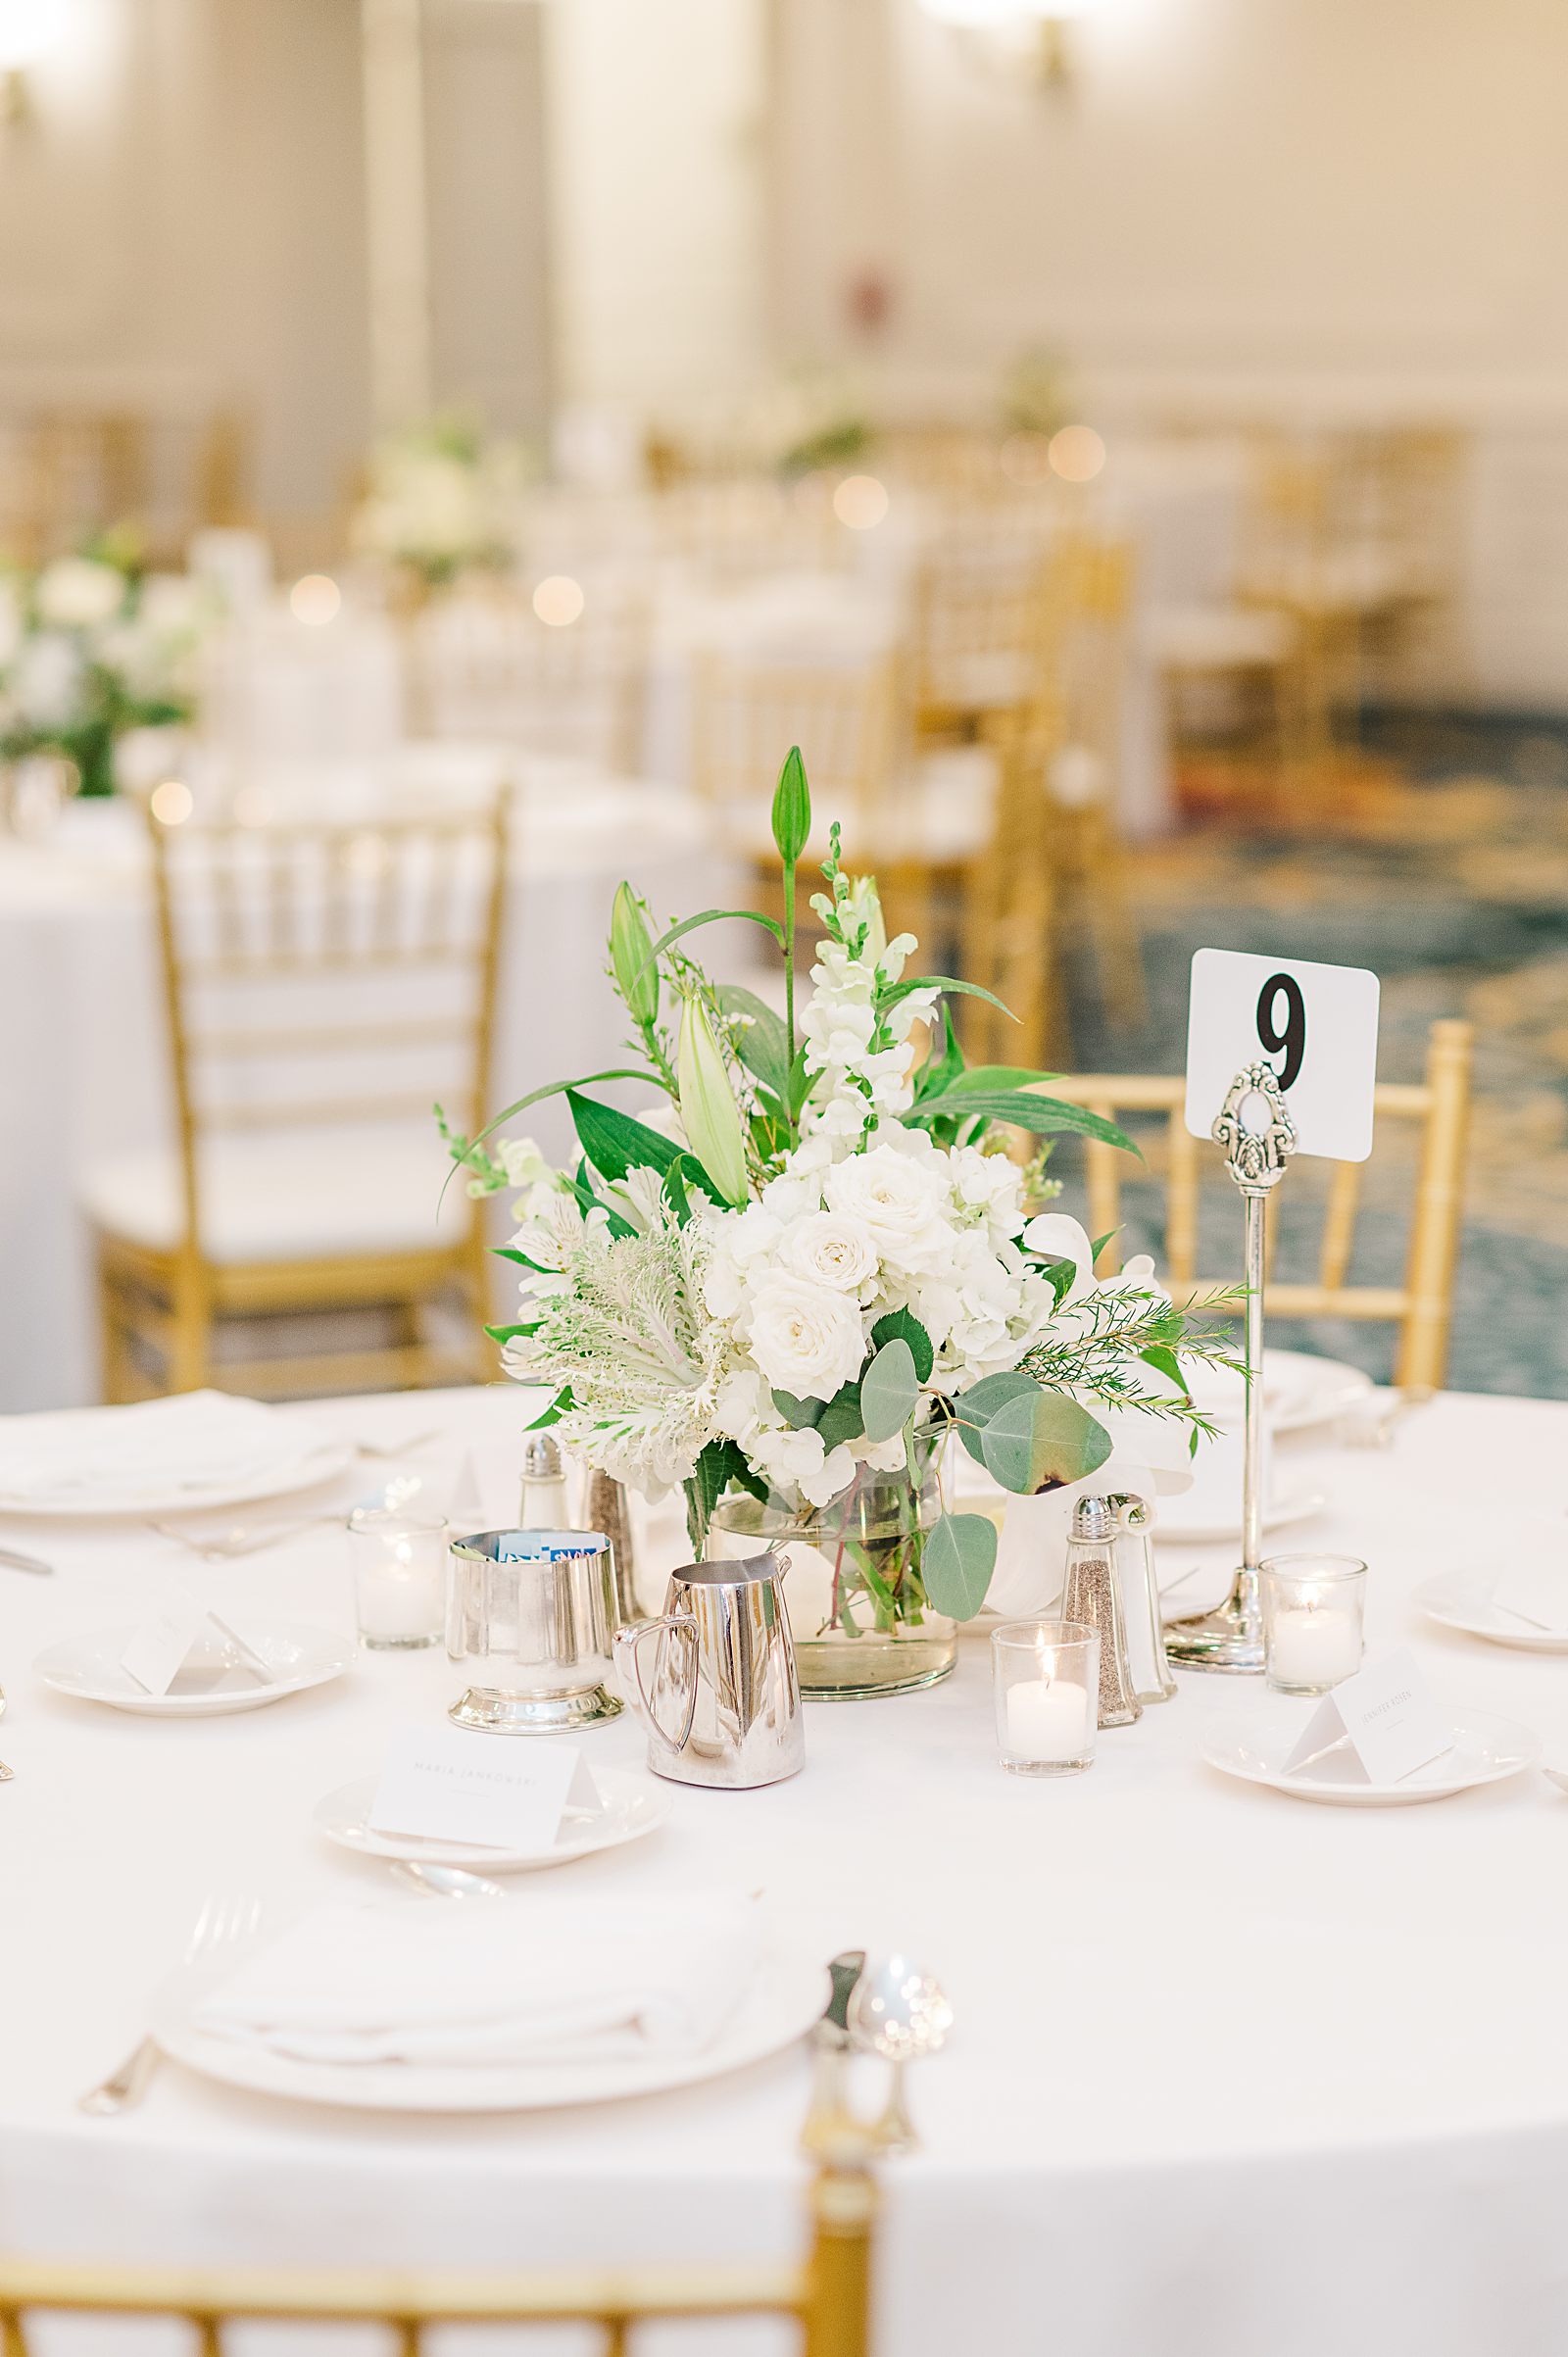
<point x="1445" y="869"/>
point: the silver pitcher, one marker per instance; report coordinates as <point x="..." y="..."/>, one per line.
<point x="718" y="1694"/>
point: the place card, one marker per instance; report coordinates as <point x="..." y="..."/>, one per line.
<point x="1537" y="1592"/>
<point x="1316" y="1026"/>
<point x="1383" y="1719"/>
<point x="162" y="1646"/>
<point x="448" y="1786"/>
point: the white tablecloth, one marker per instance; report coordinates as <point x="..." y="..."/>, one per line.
<point x="1231" y="2074"/>
<point x="82" y="1062"/>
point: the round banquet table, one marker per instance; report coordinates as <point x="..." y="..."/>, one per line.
<point x="1231" y="2074"/>
<point x="83" y="1063"/>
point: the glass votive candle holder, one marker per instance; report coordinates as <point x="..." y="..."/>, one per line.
<point x="1313" y="1607"/>
<point x="400" y="1578"/>
<point x="1046" y="1679"/>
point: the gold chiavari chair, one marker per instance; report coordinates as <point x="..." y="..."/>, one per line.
<point x="921" y="819"/>
<point x="1437" y="1106"/>
<point x="828" y="2293"/>
<point x="486" y="667"/>
<point x="981" y="624"/>
<point x="323" y="983"/>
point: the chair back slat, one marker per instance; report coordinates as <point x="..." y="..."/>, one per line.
<point x="1421" y="1306"/>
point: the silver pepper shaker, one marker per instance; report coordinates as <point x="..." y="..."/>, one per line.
<point x="1091" y="1593"/>
<point x="1152" y="1681"/>
<point x="543" y="1504"/>
<point x="606" y="1508"/>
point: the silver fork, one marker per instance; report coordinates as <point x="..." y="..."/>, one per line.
<point x="222" y="1923"/>
<point x="244" y="1539"/>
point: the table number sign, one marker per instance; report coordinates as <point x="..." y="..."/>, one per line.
<point x="451" y="1787"/>
<point x="1383" y="1722"/>
<point x="1316" y="1026"/>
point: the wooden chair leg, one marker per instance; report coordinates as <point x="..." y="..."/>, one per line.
<point x="114" y="1351"/>
<point x="1112" y="923"/>
<point x="1435" y="1236"/>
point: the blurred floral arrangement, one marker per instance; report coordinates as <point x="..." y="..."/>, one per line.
<point x="91" y="646"/>
<point x="1035" y="393"/>
<point x="442" y="501"/>
<point x="817" y="1261"/>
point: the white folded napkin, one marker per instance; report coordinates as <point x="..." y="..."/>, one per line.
<point x="199" y="1442"/>
<point x="495" y="1981"/>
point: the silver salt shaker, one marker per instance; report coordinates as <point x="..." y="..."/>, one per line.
<point x="1152" y="1681"/>
<point x="543" y="1502"/>
<point x="1091" y="1593"/>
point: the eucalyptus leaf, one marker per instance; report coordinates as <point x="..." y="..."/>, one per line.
<point x="973" y="1409"/>
<point x="890" y="1392"/>
<point x="961" y="1554"/>
<point x="1029" y="1446"/>
<point x="797" y="1414"/>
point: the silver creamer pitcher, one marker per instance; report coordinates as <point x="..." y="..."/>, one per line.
<point x="714" y="1680"/>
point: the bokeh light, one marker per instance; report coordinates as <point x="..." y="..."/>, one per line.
<point x="314" y="598"/>
<point x="172" y="802"/>
<point x="1077" y="454"/>
<point x="860" y="502"/>
<point x="559" y="600"/>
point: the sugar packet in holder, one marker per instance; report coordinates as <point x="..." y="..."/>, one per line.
<point x="1374" y="1728"/>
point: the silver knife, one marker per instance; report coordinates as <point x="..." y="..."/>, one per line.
<point x="20" y="1562"/>
<point x="831" y="2041"/>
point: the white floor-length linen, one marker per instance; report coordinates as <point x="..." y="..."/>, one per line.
<point x="83" y="1069"/>
<point x="1232" y="2076"/>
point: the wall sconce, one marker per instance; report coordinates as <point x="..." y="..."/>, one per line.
<point x="28" y="28"/>
<point x="1029" y="40"/>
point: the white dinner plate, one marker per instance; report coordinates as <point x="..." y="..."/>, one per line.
<point x="1192" y="1521"/>
<point x="1302" y="1392"/>
<point x="634" y="1805"/>
<point x="1462" y="1600"/>
<point x="297" y="1468"/>
<point x="212" y="1686"/>
<point x="1486" y="1751"/>
<point x="790" y="1993"/>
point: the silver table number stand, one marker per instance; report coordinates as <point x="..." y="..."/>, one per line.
<point x="1259" y="1138"/>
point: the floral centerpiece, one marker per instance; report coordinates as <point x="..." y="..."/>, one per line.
<point x="90" y="648"/>
<point x="442" y="501"/>
<point x="787" y="1288"/>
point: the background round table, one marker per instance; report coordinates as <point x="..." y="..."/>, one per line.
<point x="1231" y="2074"/>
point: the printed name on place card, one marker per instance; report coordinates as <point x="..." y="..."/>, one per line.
<point x="1383" y="1722"/>
<point x="448" y="1786"/>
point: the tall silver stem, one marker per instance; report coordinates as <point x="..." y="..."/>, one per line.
<point x="1258" y="1137"/>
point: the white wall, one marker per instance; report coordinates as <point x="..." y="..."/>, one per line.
<point x="654" y="133"/>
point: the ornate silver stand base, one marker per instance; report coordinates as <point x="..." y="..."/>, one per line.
<point x="1230" y="1638"/>
<point x="495" y="1713"/>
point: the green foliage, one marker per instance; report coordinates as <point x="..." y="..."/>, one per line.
<point x="631" y="957"/>
<point x="902" y="1325"/>
<point x="1040" y="1442"/>
<point x="961" y="1554"/>
<point x="890" y="1392"/>
<point x="614" y="1142"/>
<point x="792" y="809"/>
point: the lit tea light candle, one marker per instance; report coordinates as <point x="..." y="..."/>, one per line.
<point x="1314" y="1645"/>
<point x="1049" y="1719"/>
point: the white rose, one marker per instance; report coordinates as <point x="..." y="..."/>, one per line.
<point x="898" y="1201"/>
<point x="830" y="1251"/>
<point x="805" y="1339"/>
<point x="76" y="594"/>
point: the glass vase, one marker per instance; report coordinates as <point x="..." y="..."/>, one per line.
<point x="854" y="1589"/>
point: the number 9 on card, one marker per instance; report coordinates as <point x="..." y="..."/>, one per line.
<point x="1316" y="1027"/>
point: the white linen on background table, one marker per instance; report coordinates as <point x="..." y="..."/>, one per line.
<point x="1231" y="2075"/>
<point x="84" y="1068"/>
<point x="199" y="1442"/>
